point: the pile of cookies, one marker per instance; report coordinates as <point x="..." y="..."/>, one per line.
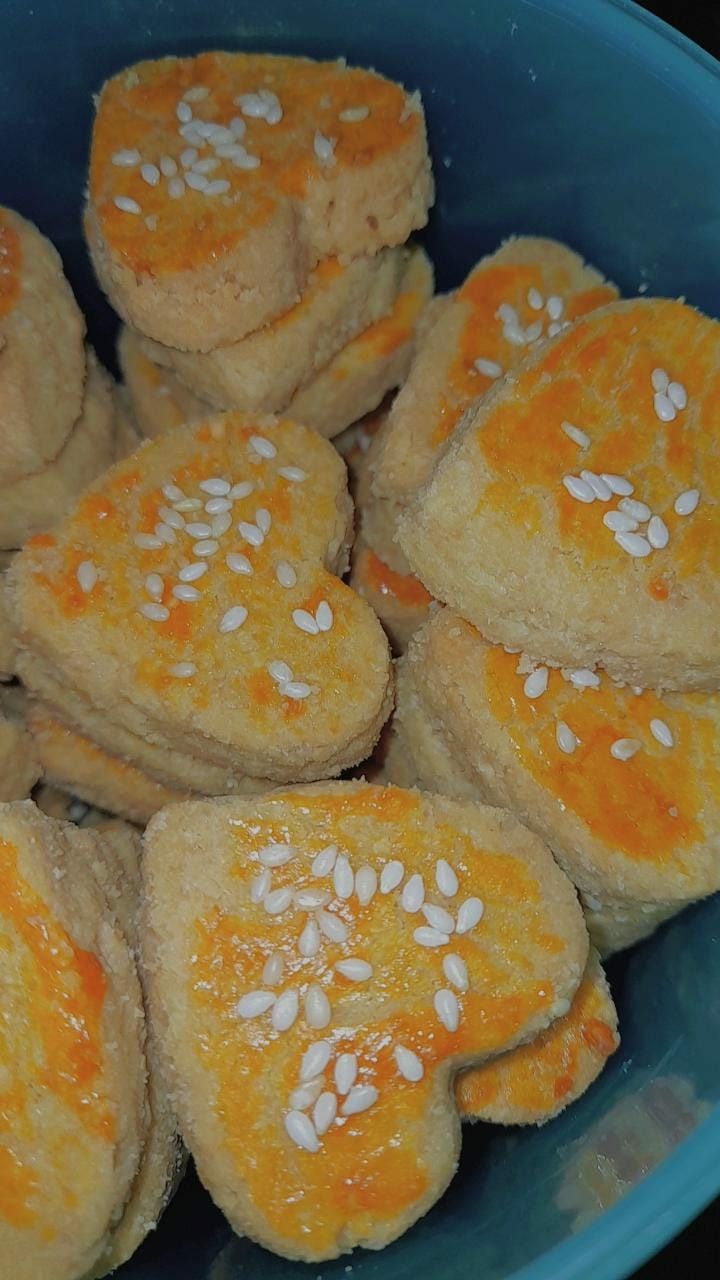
<point x="327" y="977"/>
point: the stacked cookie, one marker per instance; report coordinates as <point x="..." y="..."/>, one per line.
<point x="528" y="290"/>
<point x="247" y="217"/>
<point x="61" y="424"/>
<point x="571" y="527"/>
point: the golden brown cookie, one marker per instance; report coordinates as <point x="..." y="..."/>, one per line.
<point x="42" y="361"/>
<point x="157" y="399"/>
<point x="19" y="767"/>
<point x="575" y="513"/>
<point x="339" y="951"/>
<point x="199" y="574"/>
<point x="217" y="182"/>
<point x="399" y="600"/>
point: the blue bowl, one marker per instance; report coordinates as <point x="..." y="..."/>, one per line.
<point x="597" y="124"/>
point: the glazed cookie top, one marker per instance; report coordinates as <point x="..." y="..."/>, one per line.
<point x="529" y="289"/>
<point x="190" y="154"/>
<point x="199" y="573"/>
<point x="595" y="468"/>
<point x="327" y="957"/>
<point x="10" y="260"/>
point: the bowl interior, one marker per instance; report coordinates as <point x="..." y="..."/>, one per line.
<point x="594" y="124"/>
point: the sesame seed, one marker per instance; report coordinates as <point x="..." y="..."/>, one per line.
<point x="359" y="1099"/>
<point x="217" y="188"/>
<point x="221" y="137"/>
<point x="196" y="181"/>
<point x="343" y="877"/>
<point x="198" y="529"/>
<point x="455" y="971"/>
<point x="317" y="1008"/>
<point x="584" y="678"/>
<point x="624" y="748"/>
<point x="165" y="533"/>
<point x="154" y="612"/>
<point x="658" y="534"/>
<point x="664" y="407"/>
<point x="276" y="855"/>
<point x="618" y="484"/>
<point x="470" y="914"/>
<point x="150" y="174"/>
<point x="183" y="113"/>
<point x="238" y="563"/>
<point x="324" y="861"/>
<point x="263" y="520"/>
<point x="324" y="148"/>
<point x="659" y="380"/>
<point x="514" y="335"/>
<point x="366" y="884"/>
<point x="324" y="1112"/>
<point x="324" y="616"/>
<point x="126" y="204"/>
<point x="171" y="518"/>
<point x="554" y="329"/>
<point x="565" y="738"/>
<point x="536" y="683"/>
<point x="686" y="503"/>
<point x="218" y="506"/>
<point x="332" y="927"/>
<point x="172" y="493"/>
<point x="279" y="671"/>
<point x="662" y="733"/>
<point x="507" y="314"/>
<point x="285" y="574"/>
<point x="190" y="131"/>
<point x="232" y="619"/>
<point x="230" y="150"/>
<point x="196" y="93"/>
<point x="237" y="127"/>
<point x="426" y="936"/>
<point x="206" y="166"/>
<point x="176" y="188"/>
<point x="488" y="368"/>
<point x="677" y="395"/>
<point x="206" y="547"/>
<point x="215" y="486"/>
<point x="438" y="918"/>
<point x="292" y="473"/>
<point x="635" y="545"/>
<point x="182" y="670"/>
<point x="188" y="504"/>
<point x="555" y="307"/>
<point x="186" y="592"/>
<point x="246" y="161"/>
<point x="446" y="1006"/>
<point x="413" y="894"/>
<point x="637" y="510"/>
<point x="599" y="486"/>
<point x="354" y="970"/>
<point x="535" y="300"/>
<point x="309" y="940"/>
<point x="533" y="331"/>
<point x="304" y="1097"/>
<point x="391" y="876"/>
<point x="188" y="157"/>
<point x="251" y="104"/>
<point x="126" y="158"/>
<point x="251" y="533"/>
<point x="241" y="490"/>
<point x="299" y="1130"/>
<point x="277" y="901"/>
<point x="260" y="886"/>
<point x="619" y="522"/>
<point x="168" y="167"/>
<point x="285" y="1011"/>
<point x="445" y="878"/>
<point x="576" y="435"/>
<point x="311" y="899"/>
<point x="86" y="575"/>
<point x="254" y="1004"/>
<point x="274" y="967"/>
<point x="154" y="585"/>
<point x="314" y="1060"/>
<point x="353" y="115"/>
<point x="265" y="448"/>
<point x="191" y="572"/>
<point x="296" y="690"/>
<point x="345" y="1072"/>
<point x="408" y="1064"/>
<point x="305" y="621"/>
<point x="578" y="488"/>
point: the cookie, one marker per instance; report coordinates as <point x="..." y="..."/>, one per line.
<point x="621" y="783"/>
<point x="300" y="938"/>
<point x="399" y="600"/>
<point x="262" y="372"/>
<point x="76" y="764"/>
<point x="35" y="503"/>
<point x="534" y="1083"/>
<point x="157" y="399"/>
<point x="217" y="183"/>
<point x="575" y="512"/>
<point x="71" y="1052"/>
<point x="19" y="768"/>
<point x="64" y="807"/>
<point x="215" y="623"/>
<point x="127" y="436"/>
<point x="7" y="638"/>
<point x="527" y="290"/>
<point x="42" y="361"/>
